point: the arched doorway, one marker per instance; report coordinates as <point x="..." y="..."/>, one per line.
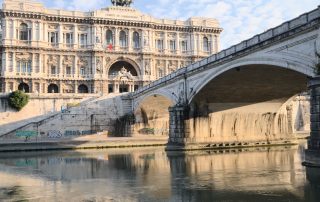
<point x="24" y="87"/>
<point x="53" y="88"/>
<point x="83" y="89"/>
<point x="120" y="66"/>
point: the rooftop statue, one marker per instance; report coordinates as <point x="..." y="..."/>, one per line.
<point x="126" y="3"/>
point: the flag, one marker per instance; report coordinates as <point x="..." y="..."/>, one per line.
<point x="110" y="47"/>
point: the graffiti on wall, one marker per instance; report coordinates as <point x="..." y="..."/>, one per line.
<point x="26" y="133"/>
<point x="54" y="134"/>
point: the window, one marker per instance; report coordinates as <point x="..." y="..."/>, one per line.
<point x="184" y="47"/>
<point x="53" y="70"/>
<point x="159" y="44"/>
<point x="24" y="32"/>
<point x="68" y="38"/>
<point x="206" y="44"/>
<point x="83" y="40"/>
<point x="172" y="44"/>
<point x="123" y="39"/>
<point x="82" y="71"/>
<point x="136" y="40"/>
<point x="109" y="37"/>
<point x="24" y="66"/>
<point x="53" y="38"/>
<point x="68" y="70"/>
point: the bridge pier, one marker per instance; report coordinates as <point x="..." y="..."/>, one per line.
<point x="177" y="128"/>
<point x="313" y="152"/>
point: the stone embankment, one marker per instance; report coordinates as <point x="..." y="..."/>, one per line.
<point x="84" y="142"/>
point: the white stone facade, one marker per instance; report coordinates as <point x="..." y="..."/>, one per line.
<point x="111" y="50"/>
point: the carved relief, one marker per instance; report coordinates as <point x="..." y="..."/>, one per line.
<point x="83" y="61"/>
<point x="172" y="66"/>
<point x="53" y="59"/>
<point x="68" y="60"/>
<point x="99" y="65"/>
<point x="23" y="56"/>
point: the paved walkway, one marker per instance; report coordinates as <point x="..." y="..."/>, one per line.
<point x="85" y="142"/>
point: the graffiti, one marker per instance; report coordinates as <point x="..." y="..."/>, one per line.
<point x="72" y="133"/>
<point x="78" y="133"/>
<point x="54" y="134"/>
<point x="26" y="133"/>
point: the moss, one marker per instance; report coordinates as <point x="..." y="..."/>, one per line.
<point x="18" y="100"/>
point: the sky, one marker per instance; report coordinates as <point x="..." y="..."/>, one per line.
<point x="240" y="19"/>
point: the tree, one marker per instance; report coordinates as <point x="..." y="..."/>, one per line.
<point x="18" y="99"/>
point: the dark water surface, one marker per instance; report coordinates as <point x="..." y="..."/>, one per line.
<point x="151" y="174"/>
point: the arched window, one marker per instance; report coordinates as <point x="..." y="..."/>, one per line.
<point x="83" y="89"/>
<point x="136" y="40"/>
<point x="23" y="32"/>
<point x="109" y="37"/>
<point x="123" y="39"/>
<point x="53" y="88"/>
<point x="206" y="44"/>
<point x="24" y="87"/>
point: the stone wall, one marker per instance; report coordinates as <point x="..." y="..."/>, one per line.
<point x="38" y="108"/>
<point x="92" y="116"/>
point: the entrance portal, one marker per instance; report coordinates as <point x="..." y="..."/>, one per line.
<point x="123" y="88"/>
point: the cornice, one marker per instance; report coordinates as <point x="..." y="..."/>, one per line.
<point x="110" y="22"/>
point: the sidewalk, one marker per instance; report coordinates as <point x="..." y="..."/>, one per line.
<point x="85" y="142"/>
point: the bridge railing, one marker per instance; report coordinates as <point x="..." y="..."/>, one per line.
<point x="255" y="40"/>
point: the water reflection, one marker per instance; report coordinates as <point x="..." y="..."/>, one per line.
<point x="154" y="175"/>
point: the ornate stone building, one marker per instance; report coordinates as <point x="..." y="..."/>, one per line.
<point x="114" y="49"/>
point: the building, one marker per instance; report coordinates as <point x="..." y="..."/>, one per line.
<point x="111" y="50"/>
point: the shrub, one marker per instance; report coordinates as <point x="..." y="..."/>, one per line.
<point x="18" y="100"/>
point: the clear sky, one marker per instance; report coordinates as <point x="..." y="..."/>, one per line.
<point x="240" y="19"/>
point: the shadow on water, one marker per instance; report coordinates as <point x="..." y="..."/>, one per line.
<point x="151" y="174"/>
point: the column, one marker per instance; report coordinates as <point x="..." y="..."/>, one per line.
<point x="212" y="42"/>
<point x="129" y="40"/>
<point x="40" y="64"/>
<point x="75" y="67"/>
<point x="165" y="42"/>
<point x="312" y="157"/>
<point x="33" y="31"/>
<point x="178" y="43"/>
<point x="15" y="26"/>
<point x="14" y="69"/>
<point x="45" y="32"/>
<point x="75" y="36"/>
<point x="60" y="67"/>
<point x="116" y="39"/>
<point x="33" y="61"/>
<point x="60" y="35"/>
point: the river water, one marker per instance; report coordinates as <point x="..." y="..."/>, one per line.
<point x="151" y="174"/>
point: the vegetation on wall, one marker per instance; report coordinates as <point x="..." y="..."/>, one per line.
<point x="18" y="99"/>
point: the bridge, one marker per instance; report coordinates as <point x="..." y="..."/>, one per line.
<point x="241" y="95"/>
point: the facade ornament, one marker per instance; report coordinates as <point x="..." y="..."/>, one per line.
<point x="125" y="3"/>
<point x="124" y="74"/>
<point x="98" y="65"/>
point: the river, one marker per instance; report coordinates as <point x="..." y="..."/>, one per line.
<point x="151" y="174"/>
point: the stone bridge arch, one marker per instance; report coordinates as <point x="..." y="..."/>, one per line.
<point x="295" y="62"/>
<point x="243" y="101"/>
<point x="151" y="113"/>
